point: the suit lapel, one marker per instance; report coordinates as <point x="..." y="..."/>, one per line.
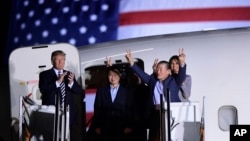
<point x="108" y="94"/>
<point x="53" y="74"/>
<point x="118" y="95"/>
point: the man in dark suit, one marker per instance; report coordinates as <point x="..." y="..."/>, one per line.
<point x="49" y="85"/>
<point x="112" y="119"/>
<point x="159" y="83"/>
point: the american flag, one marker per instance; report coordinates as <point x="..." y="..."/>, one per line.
<point x="78" y="22"/>
<point x="84" y="22"/>
<point x="153" y="17"/>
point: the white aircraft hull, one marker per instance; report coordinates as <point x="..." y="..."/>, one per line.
<point x="217" y="61"/>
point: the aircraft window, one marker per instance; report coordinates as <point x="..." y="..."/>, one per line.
<point x="227" y="115"/>
<point x="97" y="75"/>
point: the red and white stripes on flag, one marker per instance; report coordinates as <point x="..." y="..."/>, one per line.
<point x="90" y="98"/>
<point x="154" y="17"/>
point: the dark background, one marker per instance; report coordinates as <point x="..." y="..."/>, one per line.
<point x="7" y="132"/>
<point x="5" y="118"/>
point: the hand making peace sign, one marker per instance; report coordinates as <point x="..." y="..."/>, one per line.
<point x="108" y="61"/>
<point x="182" y="57"/>
<point x="129" y="57"/>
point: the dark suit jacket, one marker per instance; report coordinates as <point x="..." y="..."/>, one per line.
<point x="112" y="117"/>
<point x="48" y="89"/>
<point x="173" y="82"/>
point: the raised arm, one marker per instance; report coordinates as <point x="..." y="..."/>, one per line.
<point x="140" y="73"/>
<point x="108" y="61"/>
<point x="129" y="57"/>
<point x="155" y="65"/>
<point x="182" y="70"/>
<point x="182" y="57"/>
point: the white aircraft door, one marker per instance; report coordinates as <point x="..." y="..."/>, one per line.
<point x="26" y="63"/>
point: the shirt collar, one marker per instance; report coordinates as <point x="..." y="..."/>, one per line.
<point x="115" y="87"/>
<point x="57" y="71"/>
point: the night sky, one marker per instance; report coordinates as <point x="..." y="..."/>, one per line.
<point x="5" y="12"/>
<point x="5" y="120"/>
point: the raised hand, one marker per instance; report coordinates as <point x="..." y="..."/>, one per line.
<point x="129" y="57"/>
<point x="108" y="61"/>
<point x="182" y="56"/>
<point x="155" y="64"/>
